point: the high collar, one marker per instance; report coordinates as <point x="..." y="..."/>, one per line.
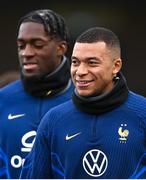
<point x="49" y="84"/>
<point x="105" y="102"/>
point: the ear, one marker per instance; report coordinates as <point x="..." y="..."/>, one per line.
<point x="61" y="48"/>
<point x="117" y="66"/>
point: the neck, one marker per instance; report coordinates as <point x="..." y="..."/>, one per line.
<point x="105" y="102"/>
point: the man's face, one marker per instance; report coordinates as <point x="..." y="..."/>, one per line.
<point x="93" y="68"/>
<point x="38" y="53"/>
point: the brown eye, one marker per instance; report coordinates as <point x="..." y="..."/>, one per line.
<point x="93" y="62"/>
<point x="20" y="45"/>
<point x="74" y="62"/>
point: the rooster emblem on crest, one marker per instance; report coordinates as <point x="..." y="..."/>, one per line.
<point x="123" y="134"/>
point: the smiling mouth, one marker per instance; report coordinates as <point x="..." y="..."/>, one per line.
<point x="83" y="83"/>
<point x="29" y="66"/>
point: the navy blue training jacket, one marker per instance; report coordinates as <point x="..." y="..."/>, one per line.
<point x="71" y="144"/>
<point x="20" y="115"/>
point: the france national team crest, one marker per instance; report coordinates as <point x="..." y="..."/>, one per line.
<point x="123" y="133"/>
<point x="95" y="163"/>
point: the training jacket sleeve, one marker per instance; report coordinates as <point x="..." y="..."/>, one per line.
<point x="38" y="163"/>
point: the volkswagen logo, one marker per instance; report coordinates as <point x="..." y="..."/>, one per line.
<point x="95" y="163"/>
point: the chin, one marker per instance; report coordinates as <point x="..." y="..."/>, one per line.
<point x="84" y="94"/>
<point x="26" y="75"/>
<point x="31" y="76"/>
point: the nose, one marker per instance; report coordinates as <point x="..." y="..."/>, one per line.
<point x="27" y="51"/>
<point x="82" y="70"/>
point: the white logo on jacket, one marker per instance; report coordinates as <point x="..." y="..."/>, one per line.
<point x="27" y="144"/>
<point x="95" y="163"/>
<point x="14" y="116"/>
<point x="67" y="137"/>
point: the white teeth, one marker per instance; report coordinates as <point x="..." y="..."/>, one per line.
<point x="83" y="82"/>
<point x="29" y="66"/>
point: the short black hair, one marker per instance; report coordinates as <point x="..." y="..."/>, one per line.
<point x="54" y="24"/>
<point x="98" y="34"/>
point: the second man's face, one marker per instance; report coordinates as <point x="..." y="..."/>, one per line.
<point x="92" y="68"/>
<point x="38" y="53"/>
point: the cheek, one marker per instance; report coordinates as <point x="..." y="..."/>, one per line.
<point x="72" y="70"/>
<point x="103" y="75"/>
<point x="73" y="73"/>
<point x="108" y="71"/>
<point x="20" y="60"/>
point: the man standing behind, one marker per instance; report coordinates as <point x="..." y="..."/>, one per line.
<point x="101" y="132"/>
<point x="42" y="41"/>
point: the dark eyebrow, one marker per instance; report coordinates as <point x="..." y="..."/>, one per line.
<point x="86" y="58"/>
<point x="93" y="58"/>
<point x="30" y="40"/>
<point x="74" y="57"/>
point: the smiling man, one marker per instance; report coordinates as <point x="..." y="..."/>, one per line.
<point x="42" y="40"/>
<point x="35" y="47"/>
<point x="93" y="71"/>
<point x="100" y="133"/>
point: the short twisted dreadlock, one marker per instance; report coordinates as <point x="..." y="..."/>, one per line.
<point x="54" y="24"/>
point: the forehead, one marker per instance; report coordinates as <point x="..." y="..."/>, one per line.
<point x="31" y="29"/>
<point x="89" y="49"/>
